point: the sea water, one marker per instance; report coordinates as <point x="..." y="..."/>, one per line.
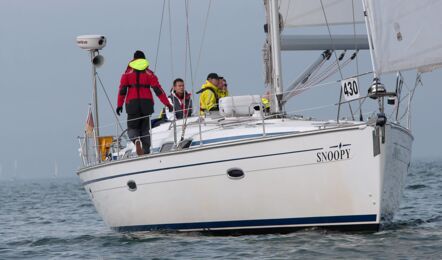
<point x="54" y="218"/>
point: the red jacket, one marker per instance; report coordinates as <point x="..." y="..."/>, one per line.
<point x="135" y="91"/>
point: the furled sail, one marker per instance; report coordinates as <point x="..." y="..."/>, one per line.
<point x="299" y="13"/>
<point x="405" y="34"/>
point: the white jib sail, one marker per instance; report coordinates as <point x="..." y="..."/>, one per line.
<point x="300" y="13"/>
<point x="405" y="34"/>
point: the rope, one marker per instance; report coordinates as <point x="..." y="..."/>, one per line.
<point x="312" y="108"/>
<point x="301" y="85"/>
<point x="327" y="74"/>
<point x="300" y="90"/>
<point x="108" y="100"/>
<point x="317" y="77"/>
<point x="329" y="69"/>
<point x="159" y="36"/>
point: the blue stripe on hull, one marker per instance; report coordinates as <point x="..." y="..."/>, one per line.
<point x="244" y="224"/>
<point x="238" y="137"/>
<point x="230" y="138"/>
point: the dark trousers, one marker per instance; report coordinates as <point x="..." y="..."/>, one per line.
<point x="139" y="128"/>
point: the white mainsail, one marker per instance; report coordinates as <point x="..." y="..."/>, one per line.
<point x="300" y="13"/>
<point x="405" y="34"/>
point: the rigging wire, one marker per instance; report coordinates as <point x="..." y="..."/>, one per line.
<point x="331" y="38"/>
<point x="188" y="54"/>
<point x="330" y="69"/>
<point x="185" y="49"/>
<point x="357" y="59"/>
<point x="108" y="100"/>
<point x="410" y="94"/>
<point x="303" y="84"/>
<point x="159" y="36"/>
<point x="188" y="42"/>
<point x="287" y="12"/>
<point x="339" y="67"/>
<point x="171" y="40"/>
<point x="399" y="83"/>
<point x="203" y="38"/>
<point x="317" y="77"/>
<point x="313" y="83"/>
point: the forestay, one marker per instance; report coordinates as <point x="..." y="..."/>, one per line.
<point x="405" y="34"/>
<point x="299" y="13"/>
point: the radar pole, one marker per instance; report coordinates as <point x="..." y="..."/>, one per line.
<point x="94" y="93"/>
<point x="93" y="44"/>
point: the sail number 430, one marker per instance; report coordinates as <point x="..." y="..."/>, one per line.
<point x="350" y="88"/>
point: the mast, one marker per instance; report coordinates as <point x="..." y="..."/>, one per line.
<point x="275" y="43"/>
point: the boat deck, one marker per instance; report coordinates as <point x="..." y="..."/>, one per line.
<point x="196" y="132"/>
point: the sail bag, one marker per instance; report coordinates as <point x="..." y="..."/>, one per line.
<point x="300" y="13"/>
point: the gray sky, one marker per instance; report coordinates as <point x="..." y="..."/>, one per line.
<point x="45" y="78"/>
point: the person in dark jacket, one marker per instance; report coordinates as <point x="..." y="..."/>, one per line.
<point x="135" y="90"/>
<point x="180" y="100"/>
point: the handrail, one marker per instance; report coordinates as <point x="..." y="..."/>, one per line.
<point x="86" y="147"/>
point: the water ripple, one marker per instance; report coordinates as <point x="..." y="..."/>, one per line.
<point x="416" y="186"/>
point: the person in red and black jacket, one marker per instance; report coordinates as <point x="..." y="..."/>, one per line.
<point x="135" y="90"/>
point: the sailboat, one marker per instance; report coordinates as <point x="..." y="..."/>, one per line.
<point x="55" y="169"/>
<point x="247" y="170"/>
<point x="15" y="174"/>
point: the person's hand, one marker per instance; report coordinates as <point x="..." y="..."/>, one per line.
<point x="119" y="110"/>
<point x="170" y="107"/>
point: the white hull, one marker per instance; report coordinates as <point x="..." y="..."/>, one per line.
<point x="329" y="177"/>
